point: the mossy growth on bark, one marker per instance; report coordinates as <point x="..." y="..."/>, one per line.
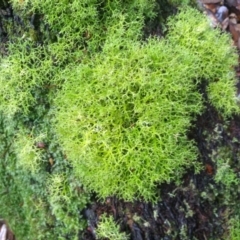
<point x="113" y="109"/>
<point x="123" y="117"/>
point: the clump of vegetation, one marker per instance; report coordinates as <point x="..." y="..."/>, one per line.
<point x="225" y="191"/>
<point x="29" y="192"/>
<point x="44" y="41"/>
<point x="67" y="198"/>
<point x="213" y="57"/>
<point x="115" y="110"/>
<point x="223" y="158"/>
<point x="28" y="155"/>
<point x="225" y="174"/>
<point x="24" y="76"/>
<point x="124" y="116"/>
<point x="234" y="229"/>
<point x="70" y="36"/>
<point x="108" y="229"/>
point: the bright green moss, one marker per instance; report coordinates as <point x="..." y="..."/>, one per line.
<point x="123" y="117"/>
<point x="82" y="24"/>
<point x="26" y="70"/>
<point x="122" y="111"/>
<point x="71" y="32"/>
<point x="28" y="155"/>
<point x="108" y="229"/>
<point x="234" y="229"/>
<point x="213" y="55"/>
<point x="125" y="106"/>
<point x="124" y="125"/>
<point x="34" y="202"/>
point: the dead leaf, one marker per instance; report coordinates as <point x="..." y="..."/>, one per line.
<point x="237" y="27"/>
<point x="211" y="7"/>
<point x="40" y="145"/>
<point x="234" y="32"/>
<point x="233" y="18"/>
<point x="209" y="169"/>
<point x="225" y="23"/>
<point x="212" y="18"/>
<point x="51" y="161"/>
